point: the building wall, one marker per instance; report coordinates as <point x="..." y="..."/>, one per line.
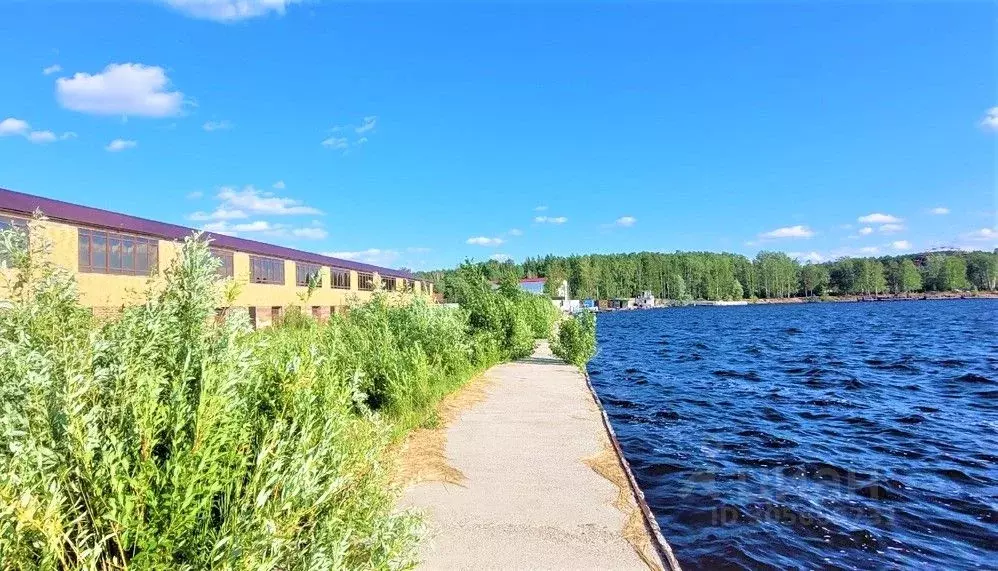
<point x="107" y="293"/>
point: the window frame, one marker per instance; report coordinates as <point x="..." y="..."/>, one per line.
<point x="389" y="283"/>
<point x="274" y="274"/>
<point x="8" y="222"/>
<point x="124" y="245"/>
<point x="365" y="281"/>
<point x="335" y="274"/>
<point x="227" y="267"/>
<point x="301" y="278"/>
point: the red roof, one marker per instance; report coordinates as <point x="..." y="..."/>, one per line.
<point x="58" y="210"/>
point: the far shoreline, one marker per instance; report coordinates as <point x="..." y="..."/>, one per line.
<point x="827" y="299"/>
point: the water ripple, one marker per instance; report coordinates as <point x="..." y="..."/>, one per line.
<point x="842" y="436"/>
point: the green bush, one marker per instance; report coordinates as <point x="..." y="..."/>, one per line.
<point x="576" y="341"/>
<point x="167" y="439"/>
<point x="541" y="314"/>
<point x="512" y="318"/>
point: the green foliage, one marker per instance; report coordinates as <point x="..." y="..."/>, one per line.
<point x="870" y="278"/>
<point x="814" y="279"/>
<point x="540" y="314"/>
<point x="982" y="270"/>
<point x="169" y="439"/>
<point x="505" y="318"/>
<point x="903" y="276"/>
<point x="576" y="341"/>
<point x="717" y="276"/>
<point x="945" y="273"/>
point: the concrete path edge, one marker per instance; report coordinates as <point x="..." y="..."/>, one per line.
<point x="651" y="524"/>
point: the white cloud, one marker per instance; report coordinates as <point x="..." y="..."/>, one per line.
<point x="484" y="241"/>
<point x="550" y="219"/>
<point x="12" y="126"/>
<point x="375" y="256"/>
<point x="18" y="127"/>
<point x="990" y="120"/>
<point x="369" y="123"/>
<point x="337" y="143"/>
<point x="194" y="195"/>
<point x="866" y="230"/>
<point x="121" y="89"/>
<point x="119" y="145"/>
<point x="224" y="227"/>
<point x="806" y="256"/>
<point x="983" y="234"/>
<point x="500" y="257"/>
<point x="256" y="226"/>
<point x="798" y="231"/>
<point x="42" y="137"/>
<point x="310" y="233"/>
<point x="361" y="141"/>
<point x="891" y="228"/>
<point x="279" y="185"/>
<point x="540" y="208"/>
<point x="939" y="210"/>
<point x="220" y="213"/>
<point x="878" y="218"/>
<point x="229" y="10"/>
<point x="626" y="221"/>
<point x="52" y="69"/>
<point x="249" y="199"/>
<point x="869" y="250"/>
<point x="217" y="125"/>
<point x="515" y="232"/>
<point x="901" y="245"/>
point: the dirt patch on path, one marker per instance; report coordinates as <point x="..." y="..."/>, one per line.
<point x="607" y="464"/>
<point x="423" y="455"/>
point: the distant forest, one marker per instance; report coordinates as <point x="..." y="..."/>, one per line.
<point x="713" y="276"/>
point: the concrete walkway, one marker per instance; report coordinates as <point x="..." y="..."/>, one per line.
<point x="527" y="495"/>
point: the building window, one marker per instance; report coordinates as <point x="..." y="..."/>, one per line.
<point x="340" y="278"/>
<point x="304" y="272"/>
<point x="225" y="269"/>
<point x="266" y="270"/>
<point x="8" y="223"/>
<point x="103" y="252"/>
<point x="388" y="283"/>
<point x="365" y="281"/>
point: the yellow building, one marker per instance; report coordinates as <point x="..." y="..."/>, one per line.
<point x="113" y="257"/>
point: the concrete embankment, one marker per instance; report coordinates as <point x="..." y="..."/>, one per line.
<point x="523" y="475"/>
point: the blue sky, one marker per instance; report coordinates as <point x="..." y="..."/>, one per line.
<point x="420" y="134"/>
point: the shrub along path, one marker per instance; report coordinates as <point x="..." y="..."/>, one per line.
<point x="524" y="491"/>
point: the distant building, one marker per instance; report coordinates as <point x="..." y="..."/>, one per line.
<point x="113" y="255"/>
<point x="536" y="286"/>
<point x="533" y="285"/>
<point x="645" y="300"/>
<point x="618" y="303"/>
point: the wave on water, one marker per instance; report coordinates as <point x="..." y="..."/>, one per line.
<point x="803" y="437"/>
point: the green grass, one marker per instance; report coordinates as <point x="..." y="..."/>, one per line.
<point x="168" y="439"/>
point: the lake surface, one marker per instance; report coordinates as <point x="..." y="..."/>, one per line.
<point x="842" y="435"/>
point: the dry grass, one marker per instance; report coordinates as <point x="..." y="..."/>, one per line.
<point x="422" y="457"/>
<point x="606" y="464"/>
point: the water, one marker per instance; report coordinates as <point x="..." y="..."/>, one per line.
<point x="837" y="435"/>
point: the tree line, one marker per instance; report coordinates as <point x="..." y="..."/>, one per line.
<point x="723" y="276"/>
